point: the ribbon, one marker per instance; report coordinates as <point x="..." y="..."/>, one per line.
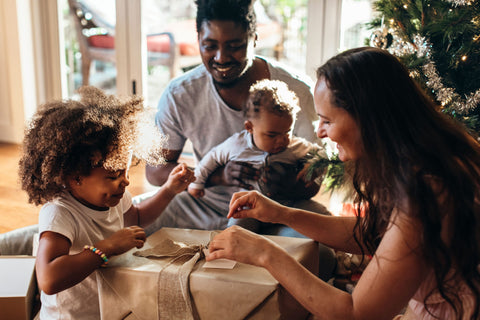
<point x="174" y="301"/>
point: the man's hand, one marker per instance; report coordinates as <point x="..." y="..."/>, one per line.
<point x="280" y="181"/>
<point x="235" y="173"/>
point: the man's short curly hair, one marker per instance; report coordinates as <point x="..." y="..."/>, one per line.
<point x="272" y="96"/>
<point x="66" y="139"/>
<point x="239" y="11"/>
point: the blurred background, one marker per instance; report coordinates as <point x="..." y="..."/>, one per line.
<point x="171" y="39"/>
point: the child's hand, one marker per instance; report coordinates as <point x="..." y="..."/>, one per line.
<point x="122" y="241"/>
<point x="197" y="193"/>
<point x="180" y="177"/>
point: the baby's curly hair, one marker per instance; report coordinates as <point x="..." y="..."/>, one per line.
<point x="272" y="96"/>
<point x="69" y="138"/>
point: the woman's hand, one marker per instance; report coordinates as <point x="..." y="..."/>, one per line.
<point x="122" y="241"/>
<point x="252" y="204"/>
<point x="236" y="243"/>
<point x="180" y="177"/>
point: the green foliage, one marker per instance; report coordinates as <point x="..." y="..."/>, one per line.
<point x="452" y="32"/>
<point x="283" y="8"/>
<point x="330" y="169"/>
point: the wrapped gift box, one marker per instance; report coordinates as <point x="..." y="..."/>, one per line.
<point x="129" y="287"/>
<point x="18" y="287"/>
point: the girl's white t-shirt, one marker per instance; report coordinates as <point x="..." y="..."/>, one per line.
<point x="82" y="226"/>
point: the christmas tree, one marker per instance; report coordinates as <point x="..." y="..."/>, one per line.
<point x="439" y="42"/>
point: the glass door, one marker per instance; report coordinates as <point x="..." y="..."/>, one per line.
<point x="93" y="49"/>
<point x="168" y="39"/>
<point x="89" y="31"/>
<point x="355" y="15"/>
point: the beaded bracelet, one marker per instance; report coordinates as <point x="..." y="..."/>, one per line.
<point x="100" y="254"/>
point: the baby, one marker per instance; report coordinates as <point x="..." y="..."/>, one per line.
<point x="267" y="140"/>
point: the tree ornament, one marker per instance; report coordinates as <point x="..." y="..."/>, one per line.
<point x="381" y="38"/>
<point x="439" y="42"/>
<point x="378" y="39"/>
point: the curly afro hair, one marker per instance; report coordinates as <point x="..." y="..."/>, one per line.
<point x="66" y="139"/>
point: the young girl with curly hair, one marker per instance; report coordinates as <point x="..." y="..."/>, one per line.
<point x="75" y="162"/>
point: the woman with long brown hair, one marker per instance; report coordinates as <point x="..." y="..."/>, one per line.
<point x="416" y="174"/>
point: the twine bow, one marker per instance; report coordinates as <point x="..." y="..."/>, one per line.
<point x="174" y="301"/>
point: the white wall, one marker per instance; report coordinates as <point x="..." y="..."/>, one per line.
<point x="30" y="62"/>
<point x="16" y="61"/>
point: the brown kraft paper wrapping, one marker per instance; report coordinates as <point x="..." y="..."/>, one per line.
<point x="131" y="286"/>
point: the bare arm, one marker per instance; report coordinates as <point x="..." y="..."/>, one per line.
<point x="148" y="210"/>
<point x="57" y="270"/>
<point x="158" y="175"/>
<point x="397" y="264"/>
<point x="335" y="232"/>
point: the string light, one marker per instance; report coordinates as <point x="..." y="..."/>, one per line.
<point x="460" y="2"/>
<point x="422" y="49"/>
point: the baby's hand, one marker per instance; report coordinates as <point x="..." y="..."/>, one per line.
<point x="122" y="241"/>
<point x="197" y="193"/>
<point x="180" y="177"/>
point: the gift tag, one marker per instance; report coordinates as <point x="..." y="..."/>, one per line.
<point x="218" y="263"/>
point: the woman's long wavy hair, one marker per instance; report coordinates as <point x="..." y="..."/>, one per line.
<point x="407" y="142"/>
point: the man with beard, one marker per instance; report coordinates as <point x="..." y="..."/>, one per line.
<point x="205" y="106"/>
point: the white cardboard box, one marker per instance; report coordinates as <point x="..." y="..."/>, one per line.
<point x="18" y="287"/>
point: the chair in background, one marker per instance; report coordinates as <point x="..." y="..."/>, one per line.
<point x="97" y="43"/>
<point x="175" y="48"/>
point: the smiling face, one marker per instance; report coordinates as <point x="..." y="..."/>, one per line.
<point x="226" y="50"/>
<point x="101" y="189"/>
<point x="337" y="124"/>
<point x="271" y="133"/>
